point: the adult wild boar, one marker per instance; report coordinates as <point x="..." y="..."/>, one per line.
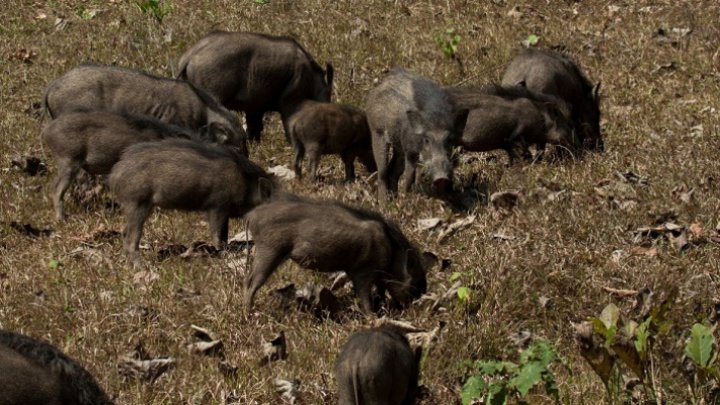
<point x="329" y="236"/>
<point x="319" y="128"/>
<point x="107" y="88"/>
<point x="186" y="175"/>
<point x="377" y="366"/>
<point x="510" y="117"/>
<point x="413" y="117"/>
<point x="558" y="75"/>
<point x="94" y="140"/>
<point x="256" y="73"/>
<point x="37" y="373"/>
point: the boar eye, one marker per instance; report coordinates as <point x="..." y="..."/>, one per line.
<point x="426" y="140"/>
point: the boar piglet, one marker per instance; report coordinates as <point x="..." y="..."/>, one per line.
<point x="108" y="88"/>
<point x="378" y="367"/>
<point x="511" y="117"/>
<point x="189" y="176"/>
<point x="37" y="373"/>
<point x="94" y="140"/>
<point x="318" y="129"/>
<point x="329" y="236"/>
<point x="256" y="73"/>
<point x="413" y="118"/>
<point x="558" y="75"/>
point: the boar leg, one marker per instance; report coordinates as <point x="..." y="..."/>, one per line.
<point x="397" y="167"/>
<point x="362" y="285"/>
<point x="299" y="155"/>
<point x="136" y="215"/>
<point x="67" y="170"/>
<point x="349" y="161"/>
<point x="254" y="122"/>
<point x="380" y="151"/>
<point x="314" y="153"/>
<point x="410" y="169"/>
<point x="218" y="220"/>
<point x="267" y="260"/>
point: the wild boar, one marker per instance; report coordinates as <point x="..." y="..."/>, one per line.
<point x="557" y="74"/>
<point x="176" y="102"/>
<point x="186" y="175"/>
<point x="329" y="236"/>
<point x="256" y="73"/>
<point x="325" y="128"/>
<point x="377" y="366"/>
<point x="37" y="373"/>
<point x="413" y="117"/>
<point x="508" y="117"/>
<point x="94" y="140"/>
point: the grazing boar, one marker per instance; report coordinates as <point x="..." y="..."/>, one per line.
<point x="37" y="373"/>
<point x="413" y="117"/>
<point x="256" y="73"/>
<point x="318" y="129"/>
<point x="186" y="175"/>
<point x="92" y="87"/>
<point x="556" y="74"/>
<point x="328" y="236"/>
<point x="94" y="140"/>
<point x="377" y="366"/>
<point x="508" y="117"/>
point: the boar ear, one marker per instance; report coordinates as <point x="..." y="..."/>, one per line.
<point x="417" y="122"/>
<point x="218" y="132"/>
<point x="329" y="75"/>
<point x="430" y="259"/>
<point x="460" y="120"/>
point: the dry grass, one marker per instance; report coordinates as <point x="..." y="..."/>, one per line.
<point x="660" y="121"/>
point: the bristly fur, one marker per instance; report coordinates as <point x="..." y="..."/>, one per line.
<point x="79" y="384"/>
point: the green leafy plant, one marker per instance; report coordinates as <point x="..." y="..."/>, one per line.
<point x="157" y="8"/>
<point x="612" y="343"/>
<point x="463" y="292"/>
<point x="53" y="264"/>
<point x="86" y="14"/>
<point x="497" y="382"/>
<point x="700" y="349"/>
<point x="448" y="42"/>
<point x="262" y="2"/>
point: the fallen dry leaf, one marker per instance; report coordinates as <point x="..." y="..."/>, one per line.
<point x="139" y="364"/>
<point x="455" y="226"/>
<point x="696" y="230"/>
<point x="29" y="230"/>
<point x="504" y="200"/>
<point x="428" y="223"/>
<point x="290" y="389"/>
<point x="282" y="172"/>
<point x="274" y="349"/>
<point x="145" y="278"/>
<point x="30" y="165"/>
<point x="212" y="348"/>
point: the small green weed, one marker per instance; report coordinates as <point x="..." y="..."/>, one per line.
<point x="498" y="382"/>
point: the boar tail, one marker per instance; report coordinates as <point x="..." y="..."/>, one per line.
<point x="355" y="384"/>
<point x="182" y="66"/>
<point x="46" y="112"/>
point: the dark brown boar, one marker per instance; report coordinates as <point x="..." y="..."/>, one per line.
<point x="37" y="373"/>
<point x="510" y="117"/>
<point x="329" y="236"/>
<point x="176" y="102"/>
<point x="378" y="367"/>
<point x="412" y="117"/>
<point x="558" y="75"/>
<point x="190" y="176"/>
<point x="94" y="140"/>
<point x="318" y="129"/>
<point x="256" y="73"/>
